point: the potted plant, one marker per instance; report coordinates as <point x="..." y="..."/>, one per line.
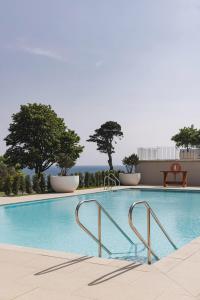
<point x="130" y="178"/>
<point x="68" y="153"/>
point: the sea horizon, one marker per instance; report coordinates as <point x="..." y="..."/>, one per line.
<point x="54" y="170"/>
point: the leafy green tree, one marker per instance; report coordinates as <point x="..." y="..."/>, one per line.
<point x="8" y="186"/>
<point x="28" y="184"/>
<point x="16" y="184"/>
<point x="22" y="184"/>
<point x="187" y="137"/>
<point x="34" y="137"/>
<point x="42" y="183"/>
<point x="105" y="138"/>
<point x="69" y="151"/>
<point x="36" y="184"/>
<point x="130" y="162"/>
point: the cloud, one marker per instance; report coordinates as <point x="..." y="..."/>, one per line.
<point x="51" y="54"/>
<point x="43" y="52"/>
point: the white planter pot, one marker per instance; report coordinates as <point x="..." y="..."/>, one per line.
<point x="64" y="184"/>
<point x="129" y="179"/>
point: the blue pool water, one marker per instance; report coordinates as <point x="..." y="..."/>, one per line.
<point x="51" y="224"/>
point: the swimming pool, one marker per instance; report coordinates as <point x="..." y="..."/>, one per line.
<point x="50" y="224"/>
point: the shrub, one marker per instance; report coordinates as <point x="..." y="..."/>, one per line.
<point x="16" y="184"/>
<point x="42" y="183"/>
<point x="22" y="184"/>
<point x="49" y="188"/>
<point x="130" y="161"/>
<point x="36" y="184"/>
<point x="28" y="185"/>
<point x="8" y="186"/>
<point x="81" y="180"/>
<point x="97" y="177"/>
<point x="86" y="179"/>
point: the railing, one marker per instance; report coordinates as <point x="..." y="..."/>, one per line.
<point x="115" y="178"/>
<point x="98" y="239"/>
<point x="147" y="243"/>
<point x="111" y="177"/>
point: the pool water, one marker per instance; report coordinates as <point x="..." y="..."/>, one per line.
<point x="50" y="224"/>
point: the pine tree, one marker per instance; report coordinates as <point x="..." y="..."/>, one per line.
<point x="28" y="185"/>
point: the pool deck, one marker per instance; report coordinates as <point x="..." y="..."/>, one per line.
<point x="27" y="273"/>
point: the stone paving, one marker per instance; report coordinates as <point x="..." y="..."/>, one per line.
<point x="27" y="273"/>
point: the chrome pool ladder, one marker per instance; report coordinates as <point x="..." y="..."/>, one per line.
<point x="110" y="177"/>
<point x="98" y="239"/>
<point x="147" y="243"/>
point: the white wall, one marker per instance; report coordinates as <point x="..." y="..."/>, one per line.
<point x="151" y="171"/>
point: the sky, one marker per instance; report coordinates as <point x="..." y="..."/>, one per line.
<point x="136" y="62"/>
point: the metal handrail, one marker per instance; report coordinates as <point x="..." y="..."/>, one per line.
<point x="115" y="177"/>
<point x="147" y="243"/>
<point x="99" y="239"/>
<point x="110" y="179"/>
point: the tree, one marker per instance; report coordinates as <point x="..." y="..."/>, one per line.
<point x="34" y="137"/>
<point x="187" y="137"/>
<point x="104" y="137"/>
<point x="130" y="161"/>
<point x="69" y="152"/>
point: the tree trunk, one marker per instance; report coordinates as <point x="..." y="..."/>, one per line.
<point x="110" y="161"/>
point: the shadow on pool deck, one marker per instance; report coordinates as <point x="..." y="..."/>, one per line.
<point x="114" y="274"/>
<point x="63" y="265"/>
<point x="99" y="280"/>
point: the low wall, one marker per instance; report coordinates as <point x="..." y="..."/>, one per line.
<point x="151" y="175"/>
